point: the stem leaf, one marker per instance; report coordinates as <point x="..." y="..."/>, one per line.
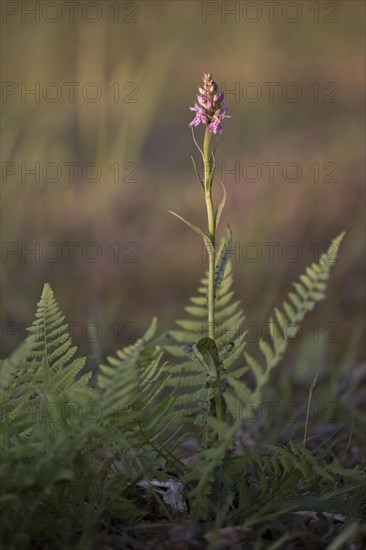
<point x="208" y="350"/>
<point x="220" y="207"/>
<point x="196" y="144"/>
<point x="197" y="174"/>
<point x="207" y="241"/>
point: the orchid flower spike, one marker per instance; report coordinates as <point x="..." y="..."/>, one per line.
<point x="210" y="108"/>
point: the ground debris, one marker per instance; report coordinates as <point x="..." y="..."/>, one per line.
<point x="230" y="538"/>
<point x="171" y="492"/>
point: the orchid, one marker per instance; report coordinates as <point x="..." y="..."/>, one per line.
<point x="210" y="109"/>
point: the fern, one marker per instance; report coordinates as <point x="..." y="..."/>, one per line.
<point x="45" y="369"/>
<point x="309" y="290"/>
<point x="133" y="401"/>
<point x="187" y="373"/>
<point x="293" y="478"/>
<point x="189" y="376"/>
<point x="207" y="472"/>
<point x="229" y="317"/>
<point x="119" y="380"/>
<point x="58" y="470"/>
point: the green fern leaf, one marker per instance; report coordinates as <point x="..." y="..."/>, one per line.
<point x="222" y="260"/>
<point x="309" y="291"/>
<point x="188" y="377"/>
<point x="134" y="401"/>
<point x="47" y="371"/>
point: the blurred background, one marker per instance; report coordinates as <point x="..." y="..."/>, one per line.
<point x="96" y="149"/>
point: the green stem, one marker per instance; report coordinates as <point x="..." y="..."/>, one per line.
<point x="212" y="230"/>
<point x="207" y="181"/>
<point x="220" y="415"/>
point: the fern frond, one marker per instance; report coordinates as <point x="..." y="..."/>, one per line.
<point x="118" y="380"/>
<point x="135" y="403"/>
<point x="228" y="316"/>
<point x="292" y="478"/>
<point x="189" y="377"/>
<point x="207" y="471"/>
<point x="309" y="290"/>
<point x="48" y="370"/>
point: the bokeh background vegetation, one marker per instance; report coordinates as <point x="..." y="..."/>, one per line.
<point x="163" y="54"/>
